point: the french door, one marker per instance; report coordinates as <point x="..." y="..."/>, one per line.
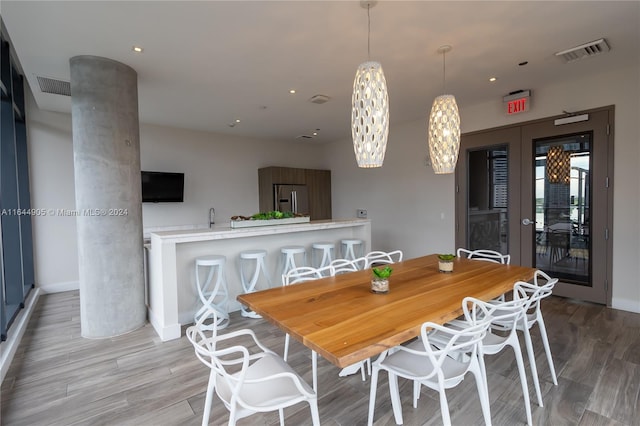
<point x="542" y="192"/>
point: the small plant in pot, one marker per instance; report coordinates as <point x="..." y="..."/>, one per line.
<point x="380" y="280"/>
<point x="445" y="262"/>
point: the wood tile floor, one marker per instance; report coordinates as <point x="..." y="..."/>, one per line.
<point x="59" y="378"/>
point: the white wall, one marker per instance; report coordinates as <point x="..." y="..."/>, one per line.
<point x="406" y="200"/>
<point x="220" y="171"/>
<point x="410" y="207"/>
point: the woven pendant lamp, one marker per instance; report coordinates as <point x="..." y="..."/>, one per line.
<point x="558" y="165"/>
<point x="444" y="129"/>
<point x="370" y="109"/>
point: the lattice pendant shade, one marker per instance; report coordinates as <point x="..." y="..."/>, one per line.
<point x="370" y="115"/>
<point x="444" y="134"/>
<point x="558" y="165"/>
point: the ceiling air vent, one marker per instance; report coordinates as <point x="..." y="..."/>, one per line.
<point x="319" y="99"/>
<point x="592" y="48"/>
<point x="56" y="87"/>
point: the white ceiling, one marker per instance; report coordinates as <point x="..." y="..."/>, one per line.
<point x="206" y="63"/>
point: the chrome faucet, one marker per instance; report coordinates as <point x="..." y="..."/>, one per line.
<point x="212" y="215"/>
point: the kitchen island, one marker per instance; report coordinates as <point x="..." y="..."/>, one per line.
<point x="172" y="295"/>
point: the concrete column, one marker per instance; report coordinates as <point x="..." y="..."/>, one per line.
<point x="106" y="151"/>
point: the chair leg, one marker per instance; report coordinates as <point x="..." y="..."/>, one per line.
<point x="395" y="397"/>
<point x="281" y="414"/>
<point x="372" y="394"/>
<point x="483" y="371"/>
<point x="315" y="416"/>
<point x="286" y="346"/>
<point x="523" y="380"/>
<point x="208" y="399"/>
<point x="547" y="349"/>
<point x="232" y="415"/>
<point x="444" y="407"/>
<point x="416" y="393"/>
<point x="532" y="363"/>
<point x="481" y="384"/>
<point x="314" y="370"/>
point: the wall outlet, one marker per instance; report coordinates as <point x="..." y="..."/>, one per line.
<point x="362" y="213"/>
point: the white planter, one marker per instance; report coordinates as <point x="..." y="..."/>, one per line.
<point x="445" y="265"/>
<point x="269" y="222"/>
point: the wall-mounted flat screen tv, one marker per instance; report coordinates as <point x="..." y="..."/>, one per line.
<point x="162" y="187"/>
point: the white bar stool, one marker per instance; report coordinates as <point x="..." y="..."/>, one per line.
<point x="322" y="254"/>
<point x="211" y="289"/>
<point x="348" y="249"/>
<point x="249" y="286"/>
<point x="289" y="258"/>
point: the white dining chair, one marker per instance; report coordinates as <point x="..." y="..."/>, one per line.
<point x="435" y="367"/>
<point x="375" y="258"/>
<point x="264" y="382"/>
<point x="343" y="266"/>
<point x="533" y="294"/>
<point x="502" y="313"/>
<point x="485" y="254"/>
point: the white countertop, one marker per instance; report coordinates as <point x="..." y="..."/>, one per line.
<point x="224" y="231"/>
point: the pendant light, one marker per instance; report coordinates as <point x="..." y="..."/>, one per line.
<point x="370" y="108"/>
<point x="444" y="128"/>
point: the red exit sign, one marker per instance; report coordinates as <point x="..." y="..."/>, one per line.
<point x="517" y="102"/>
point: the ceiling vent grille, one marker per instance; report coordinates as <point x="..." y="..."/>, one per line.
<point x="586" y="50"/>
<point x="319" y="99"/>
<point x="53" y="86"/>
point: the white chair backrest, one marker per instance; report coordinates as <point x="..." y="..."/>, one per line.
<point x="541" y="274"/>
<point x="457" y="341"/>
<point x="301" y="274"/>
<point x="486" y="255"/>
<point x="209" y="321"/>
<point x="375" y="258"/>
<point x="343" y="266"/>
<point x="533" y="293"/>
<point x="506" y="314"/>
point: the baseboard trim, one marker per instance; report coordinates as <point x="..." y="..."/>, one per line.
<point x="59" y="287"/>
<point x="14" y="336"/>
<point x="626" y="305"/>
<point x="170" y="332"/>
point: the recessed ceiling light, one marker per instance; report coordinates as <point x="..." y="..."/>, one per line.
<point x="137" y="49"/>
<point x="292" y="91"/>
<point x="492" y="79"/>
<point x="237" y="120"/>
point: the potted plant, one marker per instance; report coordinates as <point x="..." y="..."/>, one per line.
<point x="380" y="280"/>
<point x="445" y="262"/>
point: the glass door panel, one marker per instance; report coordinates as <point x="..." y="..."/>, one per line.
<point x="488" y="193"/>
<point x="487" y="184"/>
<point x="562" y="206"/>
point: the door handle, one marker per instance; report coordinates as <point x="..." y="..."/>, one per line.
<point x="527" y="221"/>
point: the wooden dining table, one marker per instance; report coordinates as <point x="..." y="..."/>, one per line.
<point x="342" y="320"/>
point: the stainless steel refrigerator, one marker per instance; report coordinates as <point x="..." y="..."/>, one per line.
<point x="291" y="198"/>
